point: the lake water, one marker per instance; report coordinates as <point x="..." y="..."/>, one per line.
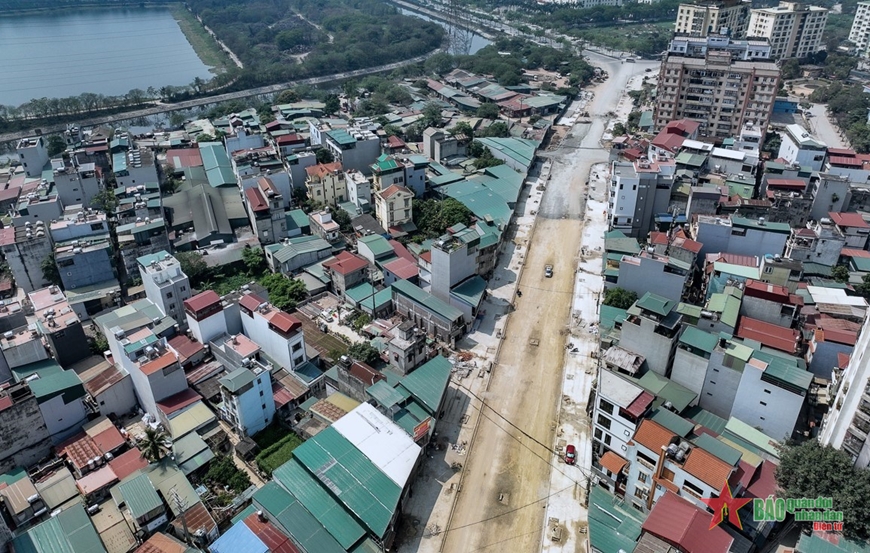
<point x="106" y="51"/>
<point x="477" y="41"/>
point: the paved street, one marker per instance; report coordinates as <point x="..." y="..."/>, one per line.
<point x="506" y="485"/>
<point x="824" y="128"/>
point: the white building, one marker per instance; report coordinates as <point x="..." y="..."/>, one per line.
<point x="277" y="333"/>
<point x="393" y="206"/>
<point x="359" y="190"/>
<point x="205" y="316"/>
<point x="639" y="191"/>
<point x="33" y="155"/>
<point x="794" y="30"/>
<point x="134" y="167"/>
<point x="248" y="404"/>
<point x="354" y="148"/>
<point x="326" y="184"/>
<point x="619" y="408"/>
<point x="859" y="35"/>
<point x="24" y="248"/>
<point x="728" y="17"/>
<point x="800" y="148"/>
<point x="76" y="184"/>
<point x="165" y="283"/>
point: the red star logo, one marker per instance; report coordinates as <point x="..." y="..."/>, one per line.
<point x="725" y="506"/>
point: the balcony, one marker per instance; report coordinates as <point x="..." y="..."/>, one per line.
<point x="645" y="463"/>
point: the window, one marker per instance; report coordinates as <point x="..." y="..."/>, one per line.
<point x="766" y="391"/>
<point x="168" y="295"/>
<point x="604" y="421"/>
<point x="183" y="288"/>
<point x="598" y="434"/>
<point x="607" y="439"/>
<point x="171" y="306"/>
<point x="763" y="403"/>
<point x="643" y="477"/>
<point x="296" y="347"/>
<point x="713" y="383"/>
<point x="261" y="393"/>
<point x="605" y="406"/>
<point x="639" y="492"/>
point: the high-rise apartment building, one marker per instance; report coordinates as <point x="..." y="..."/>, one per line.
<point x="722" y="84"/>
<point x="859" y="35"/>
<point x="793" y="30"/>
<point x="711" y="17"/>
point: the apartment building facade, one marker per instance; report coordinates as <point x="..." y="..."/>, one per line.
<point x="859" y="35"/>
<point x="793" y="30"/>
<point x="728" y="17"/>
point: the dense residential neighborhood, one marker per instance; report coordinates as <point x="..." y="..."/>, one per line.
<point x="544" y="297"/>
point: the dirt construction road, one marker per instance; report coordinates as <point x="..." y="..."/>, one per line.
<point x="506" y="486"/>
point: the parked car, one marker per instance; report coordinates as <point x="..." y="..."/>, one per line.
<point x="548" y="271"/>
<point x="570" y="455"/>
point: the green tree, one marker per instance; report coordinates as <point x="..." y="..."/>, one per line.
<point x="56" y="145"/>
<point x="364" y="352"/>
<point x="864" y="287"/>
<point x="619" y="297"/>
<point x="462" y="129"/>
<point x="360" y="321"/>
<point x="810" y="470"/>
<point x="486" y="159"/>
<point x="499" y="129"/>
<point x="323" y="155"/>
<point x="791" y="69"/>
<point x="254" y="260"/>
<point x="342" y="217"/>
<point x="488" y="111"/>
<point x="840" y="273"/>
<point x="155" y="444"/>
<point x="284" y="293"/>
<point x="431" y="115"/>
<point x="288" y="96"/>
<point x="222" y="470"/>
<point x="434" y="217"/>
<point x="100" y="344"/>
<point x="194" y="266"/>
<point x="106" y="201"/>
<point x="619" y="129"/>
<point x="49" y="270"/>
<point x="205" y="137"/>
<point x="331" y="104"/>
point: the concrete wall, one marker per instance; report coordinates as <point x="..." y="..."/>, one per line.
<point x="209" y="328"/>
<point x="451" y="268"/>
<point x="766" y="406"/>
<point x="24" y="259"/>
<point x="69" y="345"/>
<point x="63" y="419"/>
<point x="86" y="268"/>
<point x="430" y="322"/>
<point x="119" y="399"/>
<point x="289" y="353"/>
<point x="253" y="417"/>
<point x="73" y="189"/>
<point x="29" y="351"/>
<point x="824" y="359"/>
<point x="757" y="243"/>
<point x="649" y="276"/>
<point x="824" y="191"/>
<point x="766" y="310"/>
<point x="720" y="386"/>
<point x="689" y="370"/>
<point x="24" y="438"/>
<point x="642" y="339"/>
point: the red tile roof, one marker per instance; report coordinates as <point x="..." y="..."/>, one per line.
<point x="161" y="543"/>
<point x="107" y="378"/>
<point x="612" y="462"/>
<point x="394" y="189"/>
<point x="400" y="250"/>
<point x="674" y="134"/>
<point x="322" y="169"/>
<point x="251" y="301"/>
<point x="185" y="347"/>
<point x="290" y="139"/>
<point x="791" y="184"/>
<point x="366" y="374"/>
<point x="686" y="526"/>
<point x="7" y="236"/>
<point x="734" y="259"/>
<point x="127" y="463"/>
<point x="402" y="268"/>
<point x="845" y="160"/>
<point x="854" y="220"/>
<point x="346" y="263"/>
<point x="652" y="435"/>
<point x="395" y="142"/>
<point x="162" y="362"/>
<point x="202" y="300"/>
<point x="109" y="439"/>
<point x="841" y="152"/>
<point x="255" y="199"/>
<point x="771" y="335"/>
<point x="79" y="449"/>
<point x="178" y="401"/>
<point x="284" y="322"/>
<point x="271" y="537"/>
<point x="184" y="157"/>
<point x="426" y="256"/>
<point x="763" y="482"/>
<point x="281" y="395"/>
<point x="707" y="468"/>
<point x="640" y="404"/>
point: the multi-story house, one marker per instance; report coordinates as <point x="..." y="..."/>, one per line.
<point x="359" y="190"/>
<point x="662" y="275"/>
<point x="85" y="262"/>
<point x="710" y="17"/>
<point x="740" y="236"/>
<point x="639" y="191"/>
<point x="793" y="30"/>
<point x="278" y="333"/>
<point x="324" y="226"/>
<point x="853" y="228"/>
<point x="76" y="184"/>
<point x="33" y="155"/>
<point x="831" y="193"/>
<point x="59" y="325"/>
<point x="393" y="206"/>
<point x="800" y="148"/>
<point x="652" y="328"/>
<point x="346" y="270"/>
<point x="265" y="206"/>
<point x="620" y="405"/>
<point x="722" y="85"/>
<point x="135" y="166"/>
<point x="819" y="242"/>
<point x="246" y="390"/>
<point x="409" y="172"/>
<point x="354" y="147"/>
<point x="166" y="285"/>
<point x="859" y="35"/>
<point x="326" y="184"/>
<point x="25" y="247"/>
<point x="139" y="238"/>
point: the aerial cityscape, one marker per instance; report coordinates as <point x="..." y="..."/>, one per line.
<point x="336" y="276"/>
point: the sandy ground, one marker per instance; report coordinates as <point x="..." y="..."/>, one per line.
<point x="506" y="489"/>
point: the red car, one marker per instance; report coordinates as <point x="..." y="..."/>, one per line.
<point x="570" y="455"/>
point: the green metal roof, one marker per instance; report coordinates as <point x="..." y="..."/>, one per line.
<point x="44" y="368"/>
<point x="727" y="305"/>
<point x="191" y="452"/>
<point x="689" y="310"/>
<point x="140" y="344"/>
<point x="617" y="241"/>
<point x="70" y="531"/>
<point x="428" y="382"/>
<point x="387" y="395"/>
<point x="119" y="162"/>
<point x="738" y="350"/>
<point x="298" y="245"/>
<point x="646" y="119"/>
<point x="363" y="488"/>
<point x="237" y="379"/>
<point x="817" y="544"/>
<point x="313" y="495"/>
<point x="706" y="419"/>
<point x="691" y="160"/>
<point x="380" y="299"/>
<point x="288" y="514"/>
<point x="470" y="291"/>
<point x="655" y="303"/>
<point x="613" y="527"/>
<point x="739" y="431"/>
<point x="427" y="300"/>
<point x="146" y="260"/>
<point x="299" y="218"/>
<point x="246" y="512"/>
<point x="216" y="163"/>
<point x="789" y="374"/>
<point x="341" y="136"/>
<point x="816" y="269"/>
<point x="384" y="164"/>
<point x="736" y="270"/>
<point x="673" y="422"/>
<point x="140" y="496"/>
<point x="377" y="244"/>
<point x="722" y="451"/>
<point x="699" y="339"/>
<point x="66" y="383"/>
<point x="609" y="316"/>
<point x="666" y="390"/>
<point x="482" y="202"/>
<point x="521" y="150"/>
<point x="767" y="226"/>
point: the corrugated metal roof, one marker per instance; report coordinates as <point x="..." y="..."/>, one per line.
<point x="470" y="291"/>
<point x="361" y="486"/>
<point x="428" y="382"/>
<point x="197" y="416"/>
<point x="706" y="419"/>
<point x="427" y="300"/>
<point x="239" y="538"/>
<point x="738" y="431"/>
<point x="58" y="488"/>
<point x="673" y="422"/>
<point x="719" y="449"/>
<point x="71" y="531"/>
<point x="287" y="513"/>
<point x="699" y="339"/>
<point x="317" y="500"/>
<point x="655" y="303"/>
<point x="191" y="452"/>
<point x="140" y="496"/>
<point x="612" y="527"/>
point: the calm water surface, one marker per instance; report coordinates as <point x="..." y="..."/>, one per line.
<point x="477" y="41"/>
<point x="106" y="51"/>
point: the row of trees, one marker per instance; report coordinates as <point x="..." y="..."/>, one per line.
<point x="848" y="104"/>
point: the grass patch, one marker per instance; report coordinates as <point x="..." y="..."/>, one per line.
<point x="278" y="453"/>
<point x="270" y="435"/>
<point x="203" y="44"/>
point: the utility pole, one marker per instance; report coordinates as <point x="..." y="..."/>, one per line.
<point x="181" y="504"/>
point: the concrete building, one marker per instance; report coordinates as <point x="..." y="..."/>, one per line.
<point x="295" y="253"/>
<point x="453" y="259"/>
<point x="354" y="147"/>
<point x="692" y="357"/>
<point x="846" y="162"/>
<point x="296" y="165"/>
<point x="324" y="226"/>
<point x="393" y="206"/>
<point x="652" y="328"/>
<point x="407" y="349"/>
<point x="78" y="222"/>
<point x="620" y="405"/>
<point x="770" y="303"/>
<point x="59" y="325"/>
<point x="409" y="172"/>
<point x="703" y="18"/>
<point x="24" y="439"/>
<point x="41" y="204"/>
<point x="638" y="192"/>
<point x="721" y="87"/>
<point x="830" y="193"/>
<point x="265" y="206"/>
<point x="438" y="145"/>
<point x="793" y="30"/>
<point x="326" y="184"/>
<point x="25" y="247"/>
<point x="246" y="390"/>
<point x="277" y="333"/>
<point x="859" y="35"/>
<point x="819" y="242"/>
<point x="76" y="184"/>
<point x="205" y="316"/>
<point x="346" y="270"/>
<point x="135" y="166"/>
<point x="434" y="316"/>
<point x="853" y="228"/>
<point x="740" y="236"/>
<point x="166" y="285"/>
<point x="21" y="346"/>
<point x="359" y="190"/>
<point x="61" y="398"/>
<point x="33" y="155"/>
<point x="85" y="262"/>
<point x="798" y="147"/>
<point x="649" y="272"/>
<point x="138" y="238"/>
